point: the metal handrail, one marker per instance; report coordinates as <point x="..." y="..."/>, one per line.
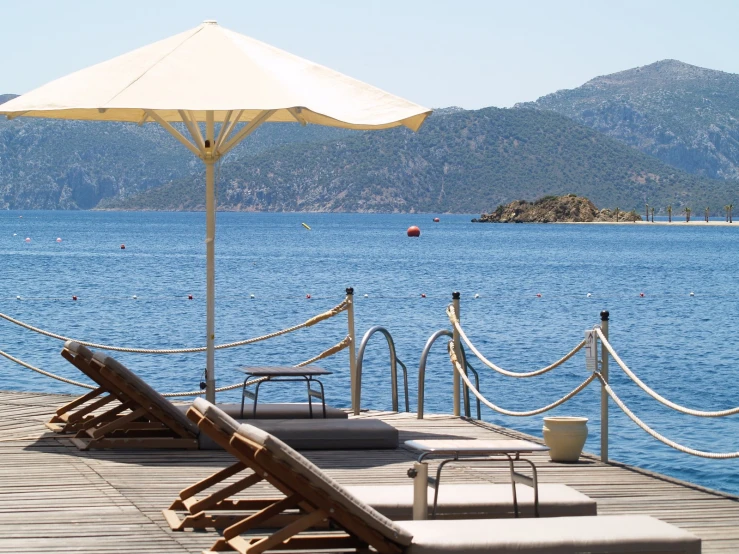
<point x="467" y="365"/>
<point x="422" y="366"/>
<point x="422" y="375"/>
<point x="394" y="361"/>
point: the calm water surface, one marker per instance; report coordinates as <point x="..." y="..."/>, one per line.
<point x="683" y="346"/>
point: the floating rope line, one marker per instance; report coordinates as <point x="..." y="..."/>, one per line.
<point x="455" y="323"/>
<point x="458" y="368"/>
<point x="659" y="437"/>
<point x="312" y="321"/>
<point x="654" y="394"/>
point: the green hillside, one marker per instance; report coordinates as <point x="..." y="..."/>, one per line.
<point x="460" y="161"/>
<point x="687" y="116"/>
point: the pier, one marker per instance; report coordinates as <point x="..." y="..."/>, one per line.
<point x="56" y="499"/>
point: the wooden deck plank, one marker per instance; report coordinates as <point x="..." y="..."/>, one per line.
<point x="56" y="499"/>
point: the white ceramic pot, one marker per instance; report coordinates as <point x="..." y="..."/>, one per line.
<point x="565" y="437"/>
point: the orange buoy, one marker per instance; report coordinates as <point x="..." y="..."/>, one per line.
<point x="28" y="239"/>
<point x="423" y="295"/>
<point x="307" y="296"/>
<point x="189" y="296"/>
<point x="436" y="220"/>
<point x="641" y="295"/>
<point x="74" y="298"/>
<point x="59" y="239"/>
<point x="414" y="231"/>
<point x="538" y="295"/>
<point x="123" y="246"/>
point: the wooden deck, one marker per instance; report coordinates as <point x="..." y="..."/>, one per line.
<point x="54" y="498"/>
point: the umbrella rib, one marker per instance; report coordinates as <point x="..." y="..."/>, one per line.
<point x="193" y="128"/>
<point x="224" y="126"/>
<point x="174" y="132"/>
<point x="247" y="130"/>
<point x="295" y="112"/>
<point x="224" y="134"/>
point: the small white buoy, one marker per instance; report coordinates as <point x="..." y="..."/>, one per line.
<point x="134" y="297"/>
<point x="477" y="295"/>
<point x="366" y="295"/>
<point x="589" y="295"/>
<point x="692" y="293"/>
<point x="28" y="239"/>
<point x="17" y="297"/>
<point x="58" y="239"/>
<point x="15" y="234"/>
<point x="251" y="296"/>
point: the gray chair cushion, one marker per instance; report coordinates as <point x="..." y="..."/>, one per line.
<point x="548" y="536"/>
<point x="300" y="465"/>
<point x="277" y="411"/>
<point x="332" y="434"/>
<point x="79" y="350"/>
<point x="470" y="500"/>
<point x="143" y="388"/>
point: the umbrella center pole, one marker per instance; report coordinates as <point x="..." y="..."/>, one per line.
<point x="209" y="158"/>
<point x="210" y="284"/>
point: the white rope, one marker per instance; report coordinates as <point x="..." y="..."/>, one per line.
<point x="325" y="354"/>
<point x="654" y="394"/>
<point x="455" y="323"/>
<point x="312" y="321"/>
<point x="42" y="372"/>
<point x="458" y="368"/>
<point x="661" y="438"/>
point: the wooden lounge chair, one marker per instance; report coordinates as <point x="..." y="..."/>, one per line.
<point x="213" y="503"/>
<point x="125" y="412"/>
<point x="356" y="526"/>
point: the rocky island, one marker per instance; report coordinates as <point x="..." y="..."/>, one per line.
<point x="556" y="209"/>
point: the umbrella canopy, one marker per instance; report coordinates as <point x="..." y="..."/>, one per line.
<point x="212" y="75"/>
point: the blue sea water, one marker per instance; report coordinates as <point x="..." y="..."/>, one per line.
<point x="683" y="346"/>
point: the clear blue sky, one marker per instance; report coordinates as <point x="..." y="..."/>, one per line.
<point x="437" y="53"/>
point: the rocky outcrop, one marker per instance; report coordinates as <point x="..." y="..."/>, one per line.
<point x="555" y="209"/>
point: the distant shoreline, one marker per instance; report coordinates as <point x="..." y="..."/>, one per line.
<point x="699" y="223"/>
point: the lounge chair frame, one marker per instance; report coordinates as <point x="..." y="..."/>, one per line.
<point x="317" y="509"/>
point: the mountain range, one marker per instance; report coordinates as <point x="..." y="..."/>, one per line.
<point x="665" y="133"/>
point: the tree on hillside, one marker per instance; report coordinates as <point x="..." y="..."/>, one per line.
<point x="687" y="214"/>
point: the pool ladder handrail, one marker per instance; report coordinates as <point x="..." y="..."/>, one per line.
<point x="422" y="376"/>
<point x="394" y="362"/>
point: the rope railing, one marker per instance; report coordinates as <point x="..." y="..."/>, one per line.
<point x="344" y="305"/>
<point x="455" y="323"/>
<point x="325" y="354"/>
<point x="658" y="436"/>
<point x="659" y="398"/>
<point x="458" y="368"/>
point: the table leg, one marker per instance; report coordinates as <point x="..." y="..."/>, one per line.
<point x="323" y="397"/>
<point x="256" y="397"/>
<point x="420" y="490"/>
<point x="310" y="400"/>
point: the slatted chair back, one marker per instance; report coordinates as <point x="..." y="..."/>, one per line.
<point x="303" y="484"/>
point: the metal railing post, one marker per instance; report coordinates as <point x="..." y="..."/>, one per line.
<point x="458" y="351"/>
<point x="352" y="350"/>
<point x="603" y="394"/>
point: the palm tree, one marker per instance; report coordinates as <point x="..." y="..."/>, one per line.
<point x="687" y="215"/>
<point x="726" y="212"/>
<point x="669" y="213"/>
<point x="652" y="214"/>
<point x="708" y="211"/>
<point x="731" y="210"/>
<point x="616" y="212"/>
<point x="646" y="210"/>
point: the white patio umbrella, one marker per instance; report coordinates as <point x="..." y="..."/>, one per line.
<point x="212" y="75"/>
